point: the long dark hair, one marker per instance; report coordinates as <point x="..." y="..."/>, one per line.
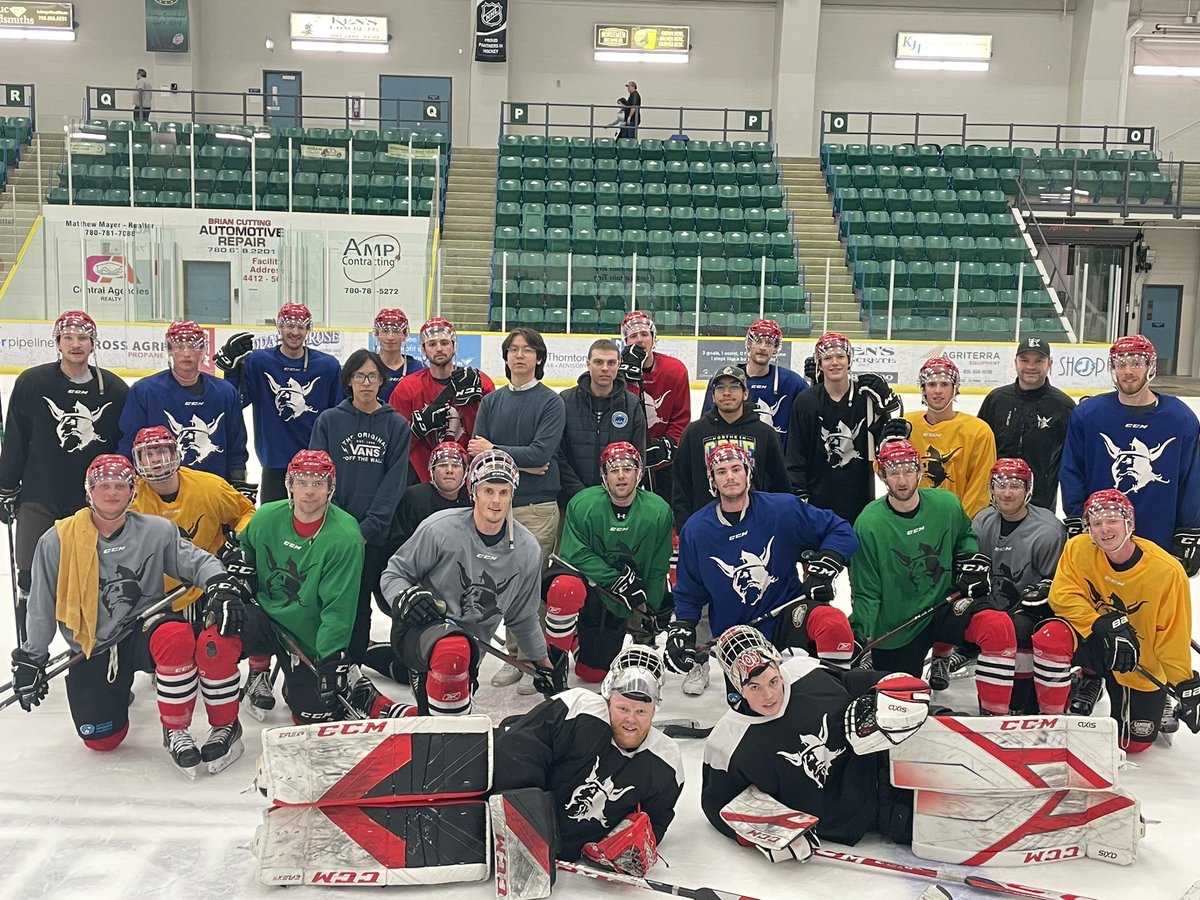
<point x="356" y="361"/>
<point x="534" y="340"/>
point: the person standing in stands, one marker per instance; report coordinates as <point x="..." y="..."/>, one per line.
<point x="142" y="93"/>
<point x="633" y="111"/>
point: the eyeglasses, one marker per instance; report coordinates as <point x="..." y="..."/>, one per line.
<point x="366" y="378"/>
<point x="728" y="387"/>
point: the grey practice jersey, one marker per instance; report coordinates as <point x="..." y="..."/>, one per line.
<point x="1026" y="555"/>
<point x="132" y="564"/>
<point x="480" y="584"/>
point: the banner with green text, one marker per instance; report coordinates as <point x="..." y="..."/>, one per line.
<point x="167" y="26"/>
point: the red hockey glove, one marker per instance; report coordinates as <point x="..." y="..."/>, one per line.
<point x="630" y="848"/>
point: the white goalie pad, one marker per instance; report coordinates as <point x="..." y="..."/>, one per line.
<point x="1009" y="753"/>
<point x="760" y="819"/>
<point x="1023" y="829"/>
<point x="372" y="845"/>
<point x="375" y="761"/>
<point x="525" y="836"/>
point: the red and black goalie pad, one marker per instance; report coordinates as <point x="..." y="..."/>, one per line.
<point x="377" y="761"/>
<point x="525" y="835"/>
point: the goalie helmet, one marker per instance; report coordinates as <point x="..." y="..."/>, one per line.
<point x="391" y="321"/>
<point x="74" y="320"/>
<point x="764" y="331"/>
<point x="492" y="465"/>
<point x="109" y="467"/>
<point x="438" y="327"/>
<point x="446" y="452"/>
<point x="637" y="321"/>
<point x="1010" y="469"/>
<point x="311" y="462"/>
<point x="293" y="314"/>
<point x="1106" y="504"/>
<point x="156" y="440"/>
<point x="743" y="652"/>
<point x="894" y="454"/>
<point x="186" y="335"/>
<point x="636" y="673"/>
<point x="728" y="452"/>
<point x="939" y="367"/>
<point x="832" y="343"/>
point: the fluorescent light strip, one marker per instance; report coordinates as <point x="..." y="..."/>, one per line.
<point x="943" y="65"/>
<point x="1168" y="71"/>
<point x="37" y="34"/>
<point x="339" y="47"/>
<point x="640" y="56"/>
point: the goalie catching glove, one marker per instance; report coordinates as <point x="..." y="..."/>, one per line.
<point x="887" y="714"/>
<point x="630" y="848"/>
<point x="780" y="833"/>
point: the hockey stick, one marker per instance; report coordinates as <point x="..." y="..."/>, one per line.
<point x="700" y="893"/>
<point x="589" y="581"/>
<point x="18" y="608"/>
<point x="488" y="647"/>
<point x="871" y="645"/>
<point x="299" y="654"/>
<point x="757" y="620"/>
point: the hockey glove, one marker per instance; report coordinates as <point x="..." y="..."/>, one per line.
<point x="1074" y="526"/>
<point x="810" y="369"/>
<point x="236" y="349"/>
<point x="467" y="386"/>
<point x="552" y="680"/>
<point x="1186" y="549"/>
<point x="333" y="680"/>
<point x="887" y="714"/>
<point x="226" y="606"/>
<point x="779" y="832"/>
<point x="8" y="505"/>
<point x="681" y="647"/>
<point x="629" y="587"/>
<point x="245" y="488"/>
<point x="887" y="402"/>
<point x="1035" y="601"/>
<point x="632" y="359"/>
<point x="1188" y="694"/>
<point x="431" y="419"/>
<point x="28" y="679"/>
<point x="972" y="578"/>
<point x="630" y="848"/>
<point x="898" y="429"/>
<point x="659" y="452"/>
<point x="417" y="607"/>
<point x="823" y="568"/>
<point x="1114" y="642"/>
<point x="238" y="567"/>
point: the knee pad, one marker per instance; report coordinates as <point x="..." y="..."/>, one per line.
<point x="992" y="630"/>
<point x="829" y="630"/>
<point x="216" y="655"/>
<point x="105" y="744"/>
<point x="590" y="674"/>
<point x="448" y="683"/>
<point x="1054" y="639"/>
<point x="173" y="646"/>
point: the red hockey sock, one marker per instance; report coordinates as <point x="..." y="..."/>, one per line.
<point x="448" y="682"/>
<point x="176" y="678"/>
<point x="107" y="743"/>
<point x="564" y="599"/>
<point x="589" y="674"/>
<point x="260" y="663"/>
<point x="993" y="631"/>
<point x="220" y="682"/>
<point x="829" y="630"/>
<point x="1053" y="647"/>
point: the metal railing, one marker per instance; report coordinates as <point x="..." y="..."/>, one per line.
<point x="591" y="120"/>
<point x="12" y="101"/>
<point x="1125" y="187"/>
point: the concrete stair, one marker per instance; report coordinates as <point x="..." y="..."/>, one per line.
<point x="466" y="240"/>
<point x="16" y="220"/>
<point x="817" y="239"/>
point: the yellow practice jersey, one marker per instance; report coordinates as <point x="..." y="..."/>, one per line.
<point x="205" y="503"/>
<point x="956" y="455"/>
<point x="1153" y="593"/>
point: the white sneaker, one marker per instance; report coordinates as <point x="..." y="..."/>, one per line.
<point x="695" y="681"/>
<point x="525" y="685"/>
<point x="508" y="674"/>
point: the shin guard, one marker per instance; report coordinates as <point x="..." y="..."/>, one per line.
<point x="176" y="678"/>
<point x="829" y="631"/>
<point x="993" y="632"/>
<point x="564" y="599"/>
<point x="1053" y="648"/>
<point x="220" y="681"/>
<point x="448" y="682"/>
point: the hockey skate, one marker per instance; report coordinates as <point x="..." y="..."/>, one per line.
<point x="1170" y="720"/>
<point x="369" y="703"/>
<point x="182" y="747"/>
<point x="696" y="680"/>
<point x="223" y="747"/>
<point x="1084" y="694"/>
<point x="259" y="696"/>
<point x="939" y="673"/>
<point x="962" y="665"/>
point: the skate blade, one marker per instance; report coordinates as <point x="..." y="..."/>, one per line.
<point x="253" y="711"/>
<point x="188" y="772"/>
<point x="217" y="766"/>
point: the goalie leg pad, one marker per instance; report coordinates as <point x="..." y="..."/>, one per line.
<point x="565" y="597"/>
<point x="176" y="678"/>
<point x="1053" y="648"/>
<point x="993" y="632"/>
<point x="525" y="836"/>
<point x="448" y="684"/>
<point x="829" y="631"/>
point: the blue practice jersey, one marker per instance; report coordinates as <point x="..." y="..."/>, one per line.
<point x="391" y="377"/>
<point x="772" y="396"/>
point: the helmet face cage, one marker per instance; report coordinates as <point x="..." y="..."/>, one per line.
<point x="728" y="453"/>
<point x="619" y="453"/>
<point x="1010" y="469"/>
<point x="293" y="314"/>
<point x="447" y="451"/>
<point x="939" y="367"/>
<point x="637" y="673"/>
<point x="311" y="462"/>
<point x="186" y="336"/>
<point x="149" y="442"/>
<point x="109" y="467"/>
<point x="437" y="328"/>
<point x="742" y="652"/>
<point x="1129" y="347"/>
<point x="764" y="331"/>
<point x="1107" y="504"/>
<point x="897" y="456"/>
<point x="391" y="321"/>
<point x="75" y="320"/>
<point x="492" y="465"/>
<point x="833" y="343"/>
<point x="637" y="321"/>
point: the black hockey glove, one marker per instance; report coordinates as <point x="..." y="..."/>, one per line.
<point x="28" y="680"/>
<point x="1035" y="601"/>
<point x="1186" y="549"/>
<point x="467" y="386"/>
<point x="1114" y="642"/>
<point x="632" y="358"/>
<point x="226" y="605"/>
<point x="1188" y="695"/>
<point x="898" y="429"/>
<point x="552" y="680"/>
<point x="431" y="419"/>
<point x="1074" y="526"/>
<point x="887" y="402"/>
<point x="238" y="567"/>
<point x="417" y="607"/>
<point x="237" y="348"/>
<point x="659" y="451"/>
<point x="823" y="569"/>
<point x="810" y="369"/>
<point x="333" y="680"/>
<point x="8" y="505"/>
<point x="245" y="488"/>
<point x="972" y="577"/>
<point x="681" y="647"/>
<point x="629" y="587"/>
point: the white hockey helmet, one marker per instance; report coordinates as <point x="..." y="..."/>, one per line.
<point x="492" y="465"/>
<point x="743" y="652"/>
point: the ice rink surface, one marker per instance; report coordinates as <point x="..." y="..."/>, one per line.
<point x="78" y="824"/>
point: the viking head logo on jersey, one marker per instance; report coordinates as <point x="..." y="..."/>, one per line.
<point x="750" y="577"/>
<point x="291" y="399"/>
<point x="814" y="757"/>
<point x="120" y="595"/>
<point x="652" y="404"/>
<point x="839" y="444"/>
<point x="924" y="568"/>
<point x="284" y="581"/>
<point x="1005" y="581"/>
<point x="77" y="428"/>
<point x="935" y="465"/>
<point x="1114" y="603"/>
<point x="767" y="412"/>
<point x="1133" y="469"/>
<point x="196" y="438"/>
<point x="590" y="798"/>
<point x="478" y="599"/>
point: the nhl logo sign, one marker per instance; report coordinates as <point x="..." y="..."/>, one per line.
<point x="491" y="13"/>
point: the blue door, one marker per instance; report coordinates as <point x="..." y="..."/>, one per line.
<point x="1160" y="322"/>
<point x="206" y="292"/>
<point x="281" y="99"/>
<point x="416" y="102"/>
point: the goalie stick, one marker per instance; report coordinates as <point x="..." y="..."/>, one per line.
<point x="700" y="893"/>
<point x="871" y="645"/>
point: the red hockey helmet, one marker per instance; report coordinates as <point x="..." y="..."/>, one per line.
<point x="895" y="454"/>
<point x="619" y="453"/>
<point x="293" y="314"/>
<point x="75" y="320"/>
<point x="1011" y="469"/>
<point x="109" y="467"/>
<point x="636" y="322"/>
<point x="938" y="367"/>
<point x="492" y="465"/>
<point x="1107" y="504"/>
<point x="391" y="321"/>
<point x="156" y="453"/>
<point x="728" y="452"/>
<point x="743" y="652"/>
<point x="187" y="335"/>
<point x="447" y="452"/>
<point x="833" y="343"/>
<point x="311" y="462"/>
<point x="1133" y="345"/>
<point x="764" y="331"/>
<point x="438" y="327"/>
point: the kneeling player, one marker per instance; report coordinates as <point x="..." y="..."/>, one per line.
<point x="620" y="538"/>
<point x="1124" y="616"/>
<point x="614" y="777"/>
<point x="802" y="741"/>
<point x="97" y="573"/>
<point x="455" y="579"/>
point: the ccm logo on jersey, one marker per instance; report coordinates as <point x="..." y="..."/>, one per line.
<point x="1027" y="724"/>
<point x="114" y="549"/>
<point x="915" y="530"/>
<point x="351" y="728"/>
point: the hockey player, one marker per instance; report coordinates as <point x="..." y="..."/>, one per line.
<point x="61" y="416"/>
<point x="453" y="582"/>
<point x="620" y="538"/>
<point x="615" y="778"/>
<point x="95" y="573"/>
<point x="445" y="489"/>
<point x="732" y="420"/>
<point x="1143" y="443"/>
<point x="739" y="556"/>
<point x="368" y="442"/>
<point x="1124" y="615"/>
<point x="916" y="548"/>
<point x="202" y="411"/>
<point x="286" y="387"/>
<point x="1024" y="543"/>
<point x="391" y="332"/>
<point x="773" y="389"/>
<point x="442" y="401"/>
<point x="1029" y="419"/>
<point x="804" y="740"/>
<point x="307" y="555"/>
<point x="957" y="449"/>
<point x="666" y="391"/>
<point x="835" y="428"/>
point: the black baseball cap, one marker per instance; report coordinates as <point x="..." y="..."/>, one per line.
<point x="1034" y="345"/>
